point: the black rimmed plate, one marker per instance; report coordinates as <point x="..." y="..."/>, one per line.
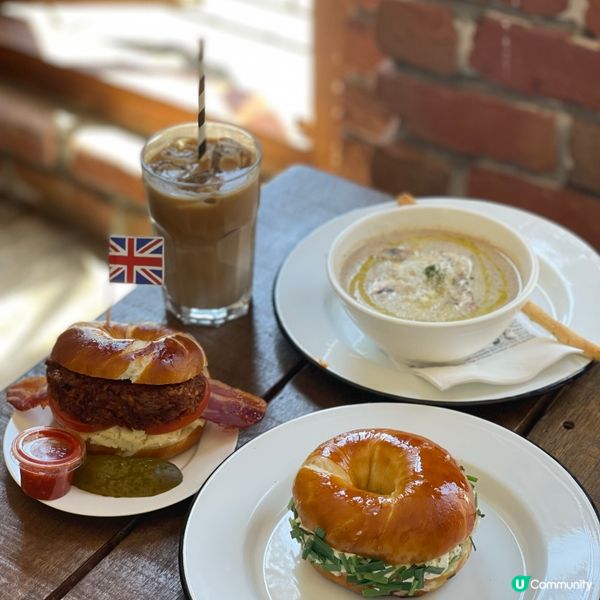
<point x="315" y="322"/>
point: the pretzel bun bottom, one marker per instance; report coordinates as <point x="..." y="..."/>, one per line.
<point x="385" y="494"/>
<point x="430" y="584"/>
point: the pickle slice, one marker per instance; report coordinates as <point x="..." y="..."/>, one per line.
<point x="126" y="477"/>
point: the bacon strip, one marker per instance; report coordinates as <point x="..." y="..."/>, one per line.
<point x="28" y="393"/>
<point x="230" y="407"/>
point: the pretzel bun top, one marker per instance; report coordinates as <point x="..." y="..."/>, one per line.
<point x="144" y="353"/>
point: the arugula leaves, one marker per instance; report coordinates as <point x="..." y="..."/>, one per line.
<point x="374" y="576"/>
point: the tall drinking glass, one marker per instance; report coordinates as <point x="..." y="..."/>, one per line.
<point x="206" y="211"/>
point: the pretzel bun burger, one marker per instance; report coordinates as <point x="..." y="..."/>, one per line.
<point x="383" y="512"/>
<point x="130" y="390"/>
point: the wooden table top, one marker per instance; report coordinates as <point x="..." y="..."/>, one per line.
<point x="51" y="554"/>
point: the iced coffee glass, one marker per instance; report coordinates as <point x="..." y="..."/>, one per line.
<point x="206" y="211"/>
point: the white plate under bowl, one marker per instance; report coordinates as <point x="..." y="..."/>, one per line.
<point x="317" y="324"/>
<point x="196" y="464"/>
<point x="538" y="522"/>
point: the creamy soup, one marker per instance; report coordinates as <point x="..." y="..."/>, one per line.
<point x="424" y="275"/>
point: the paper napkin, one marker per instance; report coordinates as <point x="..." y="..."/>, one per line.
<point x="516" y="356"/>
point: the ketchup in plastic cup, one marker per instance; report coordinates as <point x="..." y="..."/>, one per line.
<point x="47" y="457"/>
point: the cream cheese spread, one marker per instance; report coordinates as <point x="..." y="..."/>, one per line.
<point x="130" y="441"/>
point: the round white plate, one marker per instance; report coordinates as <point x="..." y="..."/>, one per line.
<point x="538" y="522"/>
<point x="196" y="464"/>
<point x="316" y="323"/>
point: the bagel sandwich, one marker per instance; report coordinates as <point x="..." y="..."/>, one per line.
<point x="383" y="513"/>
<point x="131" y="390"/>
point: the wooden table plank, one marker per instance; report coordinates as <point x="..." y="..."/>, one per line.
<point x="312" y="389"/>
<point x="144" y="565"/>
<point x="570" y="430"/>
<point x="41" y="546"/>
<point x="516" y="415"/>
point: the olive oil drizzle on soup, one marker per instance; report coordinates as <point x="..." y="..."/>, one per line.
<point x="427" y="275"/>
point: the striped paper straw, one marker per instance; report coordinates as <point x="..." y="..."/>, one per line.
<point x="201" y="111"/>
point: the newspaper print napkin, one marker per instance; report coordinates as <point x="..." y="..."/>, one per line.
<point x="515" y="357"/>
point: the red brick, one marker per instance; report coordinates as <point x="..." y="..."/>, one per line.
<point x="418" y="33"/>
<point x="472" y="122"/>
<point x="365" y="113"/>
<point x="64" y="201"/>
<point x="399" y="168"/>
<point x="585" y="150"/>
<point x="578" y="212"/>
<point x="27" y="128"/>
<point x="107" y="158"/>
<point x="361" y="53"/>
<point x="547" y="8"/>
<point x="592" y="16"/>
<point x="539" y="61"/>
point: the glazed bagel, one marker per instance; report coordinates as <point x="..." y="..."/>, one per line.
<point x="145" y="353"/>
<point x="385" y="494"/>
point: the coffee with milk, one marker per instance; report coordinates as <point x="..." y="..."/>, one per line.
<point x="206" y="211"/>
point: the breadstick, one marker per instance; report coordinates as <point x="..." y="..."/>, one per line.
<point x="561" y="332"/>
<point x="405" y="199"/>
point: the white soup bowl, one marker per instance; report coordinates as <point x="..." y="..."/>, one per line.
<point x="423" y="341"/>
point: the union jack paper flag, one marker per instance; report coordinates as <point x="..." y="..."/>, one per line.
<point x="136" y="259"/>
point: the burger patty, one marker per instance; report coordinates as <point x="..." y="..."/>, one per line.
<point x="108" y="402"/>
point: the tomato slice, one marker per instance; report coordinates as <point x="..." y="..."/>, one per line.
<point x="70" y="422"/>
<point x="183" y="421"/>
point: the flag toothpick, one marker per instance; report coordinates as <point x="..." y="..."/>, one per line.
<point x="136" y="259"/>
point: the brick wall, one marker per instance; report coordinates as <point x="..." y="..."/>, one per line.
<point x="72" y="169"/>
<point x="490" y="99"/>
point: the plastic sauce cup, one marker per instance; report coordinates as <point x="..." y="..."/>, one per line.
<point x="47" y="458"/>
